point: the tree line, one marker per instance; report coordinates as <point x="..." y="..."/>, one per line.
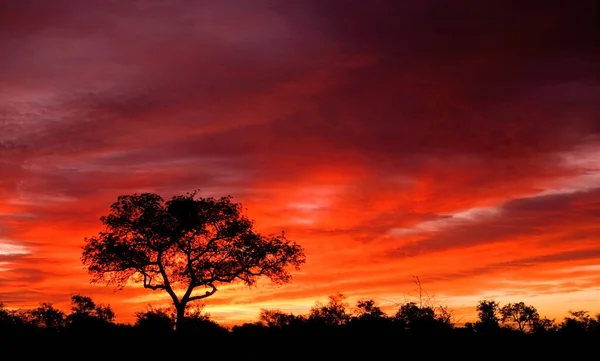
<point x="87" y="316"/>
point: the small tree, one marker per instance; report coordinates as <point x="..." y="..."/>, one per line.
<point x="332" y="314"/>
<point x="278" y="319"/>
<point x="47" y="316"/>
<point x="544" y="324"/>
<point x="84" y="309"/>
<point x="185" y="244"/>
<point x="369" y="319"/>
<point x="8" y="317"/>
<point x="520" y="315"/>
<point x="411" y="316"/>
<point x="487" y="311"/>
<point x="580" y="322"/>
<point x="368" y="309"/>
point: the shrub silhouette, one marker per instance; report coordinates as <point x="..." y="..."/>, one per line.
<point x="333" y="313"/>
<point x="280" y="320"/>
<point x="413" y="317"/>
<point x="580" y="322"/>
<point x="87" y="317"/>
<point x="46" y="316"/>
<point x="155" y="321"/>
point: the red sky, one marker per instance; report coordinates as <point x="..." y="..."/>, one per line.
<point x="456" y="141"/>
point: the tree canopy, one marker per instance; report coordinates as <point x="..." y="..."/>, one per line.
<point x="184" y="244"/>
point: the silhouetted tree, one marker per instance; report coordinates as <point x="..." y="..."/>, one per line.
<point x="14" y="323"/>
<point x="4" y="314"/>
<point x="579" y="322"/>
<point x="520" y="315"/>
<point x="487" y="312"/>
<point x="369" y="320"/>
<point x="46" y="316"/>
<point x="188" y="242"/>
<point x="87" y="315"/>
<point x="544" y="324"/>
<point x="368" y="309"/>
<point x="328" y="327"/>
<point x="423" y="307"/>
<point x="7" y="317"/>
<point x="84" y="306"/>
<point x="411" y="316"/>
<point x="279" y="319"/>
<point x="331" y="314"/>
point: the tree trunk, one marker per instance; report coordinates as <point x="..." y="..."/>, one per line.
<point x="179" y="321"/>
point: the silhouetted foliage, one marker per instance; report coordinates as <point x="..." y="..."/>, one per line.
<point x="156" y="321"/>
<point x="48" y="317"/>
<point x="326" y="327"/>
<point x="368" y="309"/>
<point x="280" y="320"/>
<point x="88" y="317"/>
<point x="543" y="325"/>
<point x="520" y="315"/>
<point x="580" y="322"/>
<point x="9" y="319"/>
<point x="331" y="314"/>
<point x="197" y="322"/>
<point x="412" y="317"/>
<point x="186" y="243"/>
<point x="370" y="320"/>
<point x="83" y="307"/>
<point x="488" y="314"/>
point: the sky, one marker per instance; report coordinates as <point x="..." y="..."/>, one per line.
<point x="453" y="141"/>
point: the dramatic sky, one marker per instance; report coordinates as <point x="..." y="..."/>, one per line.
<point x="457" y="141"/>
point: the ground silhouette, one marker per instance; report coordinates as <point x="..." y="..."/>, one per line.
<point x="333" y="329"/>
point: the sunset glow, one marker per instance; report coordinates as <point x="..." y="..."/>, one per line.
<point x="391" y="139"/>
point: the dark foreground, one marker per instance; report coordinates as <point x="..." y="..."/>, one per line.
<point x="329" y="331"/>
<point x="121" y="344"/>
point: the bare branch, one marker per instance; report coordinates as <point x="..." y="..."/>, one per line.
<point x="207" y="294"/>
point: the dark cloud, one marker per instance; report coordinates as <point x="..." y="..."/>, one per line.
<point x="532" y="216"/>
<point x="20" y="297"/>
<point x="577" y="255"/>
<point x="11" y="257"/>
<point x="25" y="276"/>
<point x="519" y="264"/>
<point x="424" y="90"/>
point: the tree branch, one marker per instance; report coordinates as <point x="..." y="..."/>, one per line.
<point x="148" y="282"/>
<point x="208" y="244"/>
<point x="167" y="283"/>
<point x="190" y="269"/>
<point x="207" y="294"/>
